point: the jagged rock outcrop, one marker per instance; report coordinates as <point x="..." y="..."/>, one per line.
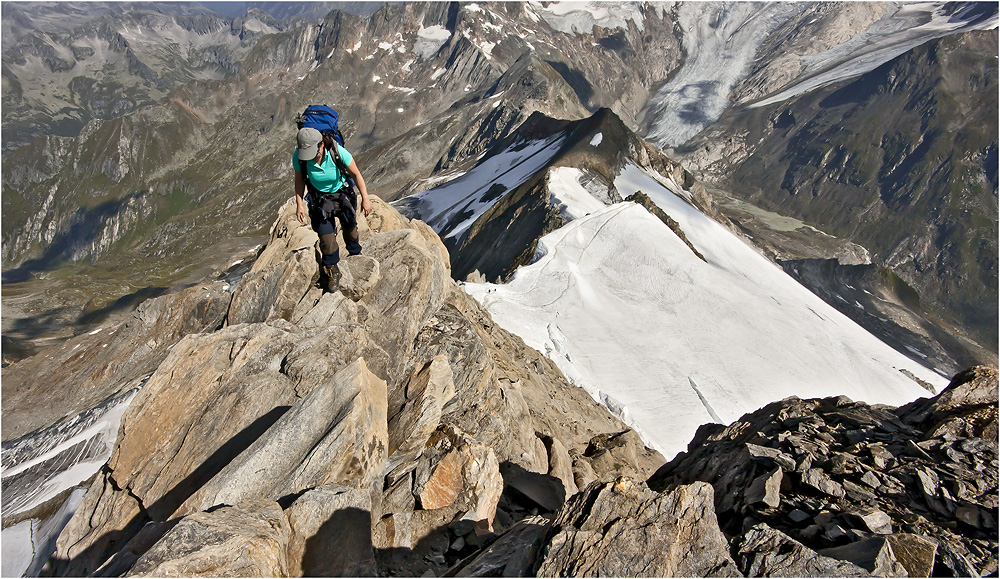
<point x="380" y="429"/>
<point x="624" y="529"/>
<point x="912" y="488"/>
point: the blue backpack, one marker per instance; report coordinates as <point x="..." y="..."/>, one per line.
<point x="326" y="121"/>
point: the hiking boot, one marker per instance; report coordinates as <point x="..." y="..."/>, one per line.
<point x="331" y="273"/>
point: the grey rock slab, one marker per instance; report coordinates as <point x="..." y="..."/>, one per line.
<point x="819" y="480"/>
<point x="771" y="456"/>
<point x="331" y="533"/>
<point x="857" y="492"/>
<point x="624" y="529"/>
<point x="871" y="480"/>
<point x="929" y="482"/>
<point x="246" y="540"/>
<point x="766" y="552"/>
<point x="873" y="520"/>
<point x="336" y="434"/>
<point x="798" y="516"/>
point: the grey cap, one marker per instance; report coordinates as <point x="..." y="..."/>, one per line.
<point x="308" y="139"/>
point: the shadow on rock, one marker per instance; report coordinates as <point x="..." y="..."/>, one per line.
<point x="105" y="558"/>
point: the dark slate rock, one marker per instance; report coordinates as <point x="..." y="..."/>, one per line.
<point x="766" y="552"/>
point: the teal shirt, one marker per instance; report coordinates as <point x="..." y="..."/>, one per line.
<point x="325" y="177"/>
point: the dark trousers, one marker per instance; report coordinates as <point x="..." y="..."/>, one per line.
<point x="324" y="222"/>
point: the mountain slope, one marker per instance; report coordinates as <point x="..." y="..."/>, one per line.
<point x="901" y="161"/>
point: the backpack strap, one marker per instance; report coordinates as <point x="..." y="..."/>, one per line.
<point x="348" y="182"/>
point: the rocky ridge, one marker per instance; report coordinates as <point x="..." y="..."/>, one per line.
<point x="394" y="405"/>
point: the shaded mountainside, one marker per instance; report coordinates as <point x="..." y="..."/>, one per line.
<point x="901" y="160"/>
<point x="392" y="428"/>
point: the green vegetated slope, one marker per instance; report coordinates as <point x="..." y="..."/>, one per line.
<point x="902" y="160"/>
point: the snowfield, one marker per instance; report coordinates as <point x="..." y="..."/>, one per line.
<point x="671" y="342"/>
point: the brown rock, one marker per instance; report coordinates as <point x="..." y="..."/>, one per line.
<point x="766" y="489"/>
<point x="873" y="555"/>
<point x="914" y="553"/>
<point x="560" y="464"/>
<point x="246" y="540"/>
<point x="465" y="478"/>
<point x="326" y="309"/>
<point x="445" y="484"/>
<point x="282" y="274"/>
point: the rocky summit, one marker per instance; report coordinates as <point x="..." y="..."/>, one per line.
<point x="393" y="429"/>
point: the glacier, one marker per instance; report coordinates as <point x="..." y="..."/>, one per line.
<point x="628" y="312"/>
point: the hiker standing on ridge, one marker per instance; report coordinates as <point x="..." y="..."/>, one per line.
<point x="330" y="197"/>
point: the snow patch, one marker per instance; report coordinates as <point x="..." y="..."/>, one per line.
<point x="569" y="196"/>
<point x="430" y="40"/>
<point x="487" y="48"/>
<point x="580" y="17"/>
<point x="597" y="139"/>
<point x="450" y="209"/>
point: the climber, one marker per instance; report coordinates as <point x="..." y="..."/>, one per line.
<point x="330" y="196"/>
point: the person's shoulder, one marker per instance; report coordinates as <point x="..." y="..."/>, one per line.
<point x="345" y="155"/>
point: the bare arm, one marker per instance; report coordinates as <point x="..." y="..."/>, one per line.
<point x="300" y="202"/>
<point x="366" y="204"/>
